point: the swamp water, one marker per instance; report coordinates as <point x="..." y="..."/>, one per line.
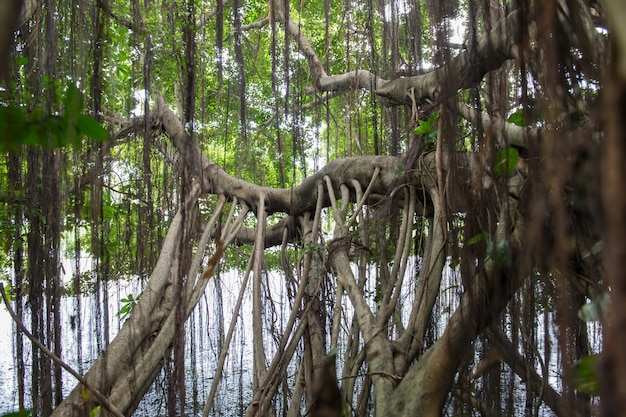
<point x="203" y="344"/>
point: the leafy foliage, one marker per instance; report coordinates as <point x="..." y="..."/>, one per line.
<point x="53" y="131"/>
<point x="498" y="251"/>
<point x="428" y="128"/>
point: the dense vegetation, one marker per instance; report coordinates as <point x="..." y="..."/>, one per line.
<point x="437" y="185"/>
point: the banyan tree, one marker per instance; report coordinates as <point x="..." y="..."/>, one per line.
<point x="430" y="191"/>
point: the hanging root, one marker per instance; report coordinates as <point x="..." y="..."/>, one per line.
<point x="219" y="252"/>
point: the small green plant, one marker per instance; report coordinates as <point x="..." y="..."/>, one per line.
<point x="128" y="304"/>
<point x="496" y="251"/>
<point x="428" y="128"/>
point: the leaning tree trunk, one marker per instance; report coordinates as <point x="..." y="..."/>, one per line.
<point x="126" y="369"/>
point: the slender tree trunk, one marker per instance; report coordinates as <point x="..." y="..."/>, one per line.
<point x="15" y="179"/>
<point x="613" y="382"/>
<point x="40" y="383"/>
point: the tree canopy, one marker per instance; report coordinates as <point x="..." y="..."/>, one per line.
<point x="431" y="189"/>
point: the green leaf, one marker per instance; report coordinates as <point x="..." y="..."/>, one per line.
<point x="128" y="304"/>
<point x="586" y="380"/>
<point x="597" y="247"/>
<point x="430" y="138"/>
<point x="31" y="136"/>
<point x="427" y="126"/>
<point x="475" y="239"/>
<point x="12" y="127"/>
<point x="12" y="114"/>
<point x="517" y="118"/>
<point x="91" y="128"/>
<point x="59" y="131"/>
<point x="506" y="161"/>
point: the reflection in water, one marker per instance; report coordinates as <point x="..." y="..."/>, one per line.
<point x="204" y="338"/>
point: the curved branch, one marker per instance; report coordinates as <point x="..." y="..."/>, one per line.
<point x="295" y="200"/>
<point x="427" y="383"/>
<point x="315" y="64"/>
<point x="124" y="349"/>
<point x="505" y="133"/>
<point x="464" y="71"/>
<point x="350" y="80"/>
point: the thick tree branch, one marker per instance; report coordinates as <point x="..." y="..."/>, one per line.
<point x="315" y="64"/>
<point x="464" y="71"/>
<point x="506" y="134"/>
<point x="296" y="200"/>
